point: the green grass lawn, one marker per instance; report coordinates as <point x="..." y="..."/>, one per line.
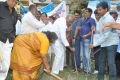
<point x="67" y="74"/>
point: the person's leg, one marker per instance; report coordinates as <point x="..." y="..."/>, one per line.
<point x="59" y="58"/>
<point x="96" y="55"/>
<point x="6" y="54"/>
<point x="102" y="57"/>
<point x="118" y="64"/>
<point x="62" y="58"/>
<point x="111" y="61"/>
<point x="86" y="56"/>
<point x="77" y="53"/>
<point x="72" y="60"/>
<point x="67" y="57"/>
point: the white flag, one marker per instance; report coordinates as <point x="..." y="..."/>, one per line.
<point x="30" y="2"/>
<point x="60" y="10"/>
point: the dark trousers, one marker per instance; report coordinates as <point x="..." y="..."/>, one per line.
<point x="118" y="64"/>
<point x="96" y="52"/>
<point x="76" y="56"/>
<point x="107" y="54"/>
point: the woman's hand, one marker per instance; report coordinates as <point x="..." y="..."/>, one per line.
<point x="48" y="69"/>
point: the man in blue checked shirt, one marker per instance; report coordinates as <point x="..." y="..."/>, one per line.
<point x="85" y="30"/>
<point x="76" y="56"/>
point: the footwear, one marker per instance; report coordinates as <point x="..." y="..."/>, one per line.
<point x="75" y="70"/>
<point x="95" y="72"/>
<point x="87" y="72"/>
<point x="65" y="66"/>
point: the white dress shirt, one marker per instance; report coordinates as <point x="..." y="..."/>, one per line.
<point x="60" y="27"/>
<point x="108" y="37"/>
<point x="48" y="27"/>
<point x="96" y="35"/>
<point x="31" y="24"/>
<point x="18" y="27"/>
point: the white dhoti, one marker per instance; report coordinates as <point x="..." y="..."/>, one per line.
<point x="6" y="54"/>
<point x="58" y="63"/>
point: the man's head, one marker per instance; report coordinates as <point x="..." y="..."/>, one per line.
<point x="118" y="7"/>
<point x="77" y="14"/>
<point x="52" y="19"/>
<point x="69" y="19"/>
<point x="33" y="9"/>
<point x="87" y="12"/>
<point x="11" y="3"/>
<point x="97" y="16"/>
<point x="38" y="15"/>
<point x="114" y="14"/>
<point x="43" y="16"/>
<point x="103" y="8"/>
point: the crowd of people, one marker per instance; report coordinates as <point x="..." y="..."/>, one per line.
<point x="27" y="42"/>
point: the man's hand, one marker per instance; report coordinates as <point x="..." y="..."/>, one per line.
<point x="73" y="41"/>
<point x="91" y="46"/>
<point x="84" y="37"/>
<point x="106" y="26"/>
<point x="72" y="49"/>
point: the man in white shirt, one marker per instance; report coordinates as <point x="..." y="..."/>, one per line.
<point x="60" y="26"/>
<point x="108" y="41"/>
<point x="29" y="22"/>
<point x="96" y="35"/>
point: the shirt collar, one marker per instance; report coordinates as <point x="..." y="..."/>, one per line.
<point x="87" y="18"/>
<point x="105" y="15"/>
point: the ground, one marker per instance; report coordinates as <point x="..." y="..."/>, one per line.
<point x="67" y="74"/>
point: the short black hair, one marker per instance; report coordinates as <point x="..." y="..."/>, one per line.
<point x="89" y="10"/>
<point x="104" y="5"/>
<point x="96" y="12"/>
<point x="77" y="11"/>
<point x="113" y="12"/>
<point x="32" y="6"/>
<point x="53" y="17"/>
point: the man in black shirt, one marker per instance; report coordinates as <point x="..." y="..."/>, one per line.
<point x="8" y="19"/>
